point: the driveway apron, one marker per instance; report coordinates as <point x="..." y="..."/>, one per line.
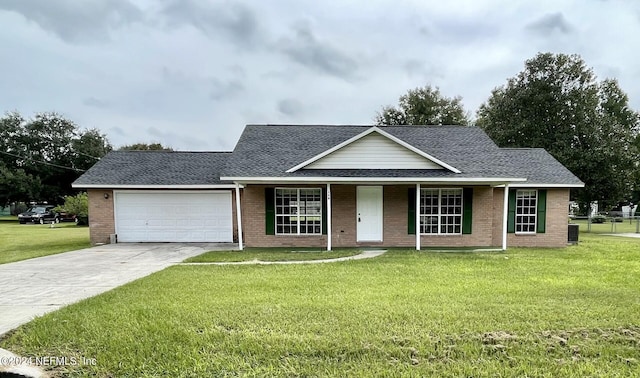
<point x="34" y="287"/>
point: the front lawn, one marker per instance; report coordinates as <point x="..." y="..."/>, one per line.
<point x="26" y="241"/>
<point x="270" y="254"/>
<point x="529" y="312"/>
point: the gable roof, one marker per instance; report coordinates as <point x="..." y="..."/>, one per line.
<point x="156" y="169"/>
<point x="333" y="151"/>
<point x="269" y="150"/>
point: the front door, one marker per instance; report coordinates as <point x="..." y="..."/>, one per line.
<point x="369" y="213"/>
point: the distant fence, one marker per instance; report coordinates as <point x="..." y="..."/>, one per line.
<point x="600" y="224"/>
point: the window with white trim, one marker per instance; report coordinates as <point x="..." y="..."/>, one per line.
<point x="441" y="211"/>
<point x="526" y="211"/>
<point x="298" y="211"/>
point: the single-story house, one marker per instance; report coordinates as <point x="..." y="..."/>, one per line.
<point x="334" y="186"/>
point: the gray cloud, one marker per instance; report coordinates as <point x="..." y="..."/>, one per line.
<point x="170" y="139"/>
<point x="304" y="48"/>
<point x="289" y="106"/>
<point x="76" y="21"/>
<point x="235" y="20"/>
<point x="459" y="31"/>
<point x="221" y="90"/>
<point x="551" y="23"/>
<point x="95" y="102"/>
<point x="117" y="131"/>
<point x="421" y="70"/>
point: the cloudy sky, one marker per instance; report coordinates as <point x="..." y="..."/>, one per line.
<point x="191" y="73"/>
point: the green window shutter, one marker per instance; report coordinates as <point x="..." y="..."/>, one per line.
<point x="324" y="211"/>
<point x="411" y="211"/>
<point x="511" y="215"/>
<point x="270" y="210"/>
<point x="542" y="211"/>
<point x="467" y="210"/>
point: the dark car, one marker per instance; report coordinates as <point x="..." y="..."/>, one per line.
<point x="39" y="214"/>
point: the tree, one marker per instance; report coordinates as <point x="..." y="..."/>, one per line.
<point x="557" y="103"/>
<point x="88" y="147"/>
<point x="45" y="154"/>
<point x="16" y="185"/>
<point x="145" y="147"/>
<point x="424" y="106"/>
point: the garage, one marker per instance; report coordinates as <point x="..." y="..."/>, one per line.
<point x="173" y="216"/>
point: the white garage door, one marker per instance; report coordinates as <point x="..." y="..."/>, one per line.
<point x="173" y="216"/>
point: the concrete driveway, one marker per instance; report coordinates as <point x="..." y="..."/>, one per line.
<point x="34" y="287"/>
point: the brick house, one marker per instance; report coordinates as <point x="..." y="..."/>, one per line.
<point x="336" y="186"/>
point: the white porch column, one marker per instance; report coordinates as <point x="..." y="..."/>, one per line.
<point x="239" y="216"/>
<point x="505" y="216"/>
<point x="417" y="217"/>
<point x="328" y="215"/>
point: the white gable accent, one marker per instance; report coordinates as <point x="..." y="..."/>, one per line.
<point x="373" y="149"/>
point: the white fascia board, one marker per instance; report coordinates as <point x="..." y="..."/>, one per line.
<point x="545" y="185"/>
<point x="362" y="135"/>
<point x="95" y="186"/>
<point x="444" y="180"/>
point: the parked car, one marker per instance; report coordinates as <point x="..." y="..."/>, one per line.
<point x="39" y="214"/>
<point x="67" y="217"/>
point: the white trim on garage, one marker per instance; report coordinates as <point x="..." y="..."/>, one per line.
<point x="143" y="187"/>
<point x="173" y="215"/>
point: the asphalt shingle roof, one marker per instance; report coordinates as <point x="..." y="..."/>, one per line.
<point x="270" y="150"/>
<point x="539" y="167"/>
<point x="156" y="168"/>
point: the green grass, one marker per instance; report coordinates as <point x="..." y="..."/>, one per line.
<point x="608" y="227"/>
<point x="270" y="255"/>
<point x="8" y="218"/>
<point x="570" y="312"/>
<point x="26" y="241"/>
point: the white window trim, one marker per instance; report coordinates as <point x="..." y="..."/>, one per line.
<point x="439" y="215"/>
<point x="275" y="212"/>
<point x="535" y="219"/>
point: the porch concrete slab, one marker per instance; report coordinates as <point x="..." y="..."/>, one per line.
<point x="34" y="287"/>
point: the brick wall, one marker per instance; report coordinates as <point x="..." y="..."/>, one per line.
<point x="254" y="227"/>
<point x="101" y="221"/>
<point x="556" y="231"/>
<point x="344" y="233"/>
<point x="482" y="223"/>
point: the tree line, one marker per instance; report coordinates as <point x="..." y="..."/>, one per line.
<point x="557" y="103"/>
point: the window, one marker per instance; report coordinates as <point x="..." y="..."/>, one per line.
<point x="298" y="211"/>
<point x="526" y="206"/>
<point x="441" y="211"/>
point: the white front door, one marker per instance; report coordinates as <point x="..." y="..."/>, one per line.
<point x="369" y="213"/>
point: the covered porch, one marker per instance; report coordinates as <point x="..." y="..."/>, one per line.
<point x="373" y="214"/>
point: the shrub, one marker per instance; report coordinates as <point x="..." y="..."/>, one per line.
<point x="77" y="205"/>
